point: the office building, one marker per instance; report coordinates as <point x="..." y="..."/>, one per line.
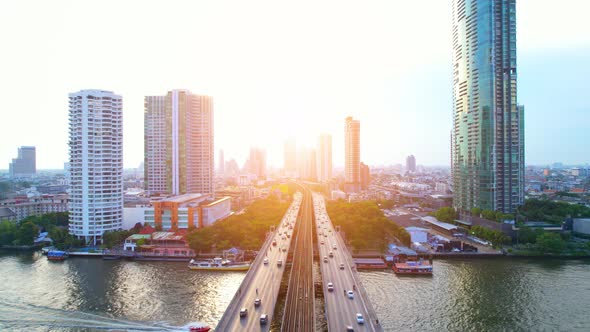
<point x="307" y="164"/>
<point x="411" y="163"/>
<point x="365" y="176"/>
<point x="487" y="140"/>
<point x="96" y="163"/>
<point x="178" y="143"/>
<point x="256" y="163"/>
<point x="352" y="154"/>
<point x="221" y="164"/>
<point x="25" y="164"/>
<point x="324" y="158"/>
<point x="290" y="157"/>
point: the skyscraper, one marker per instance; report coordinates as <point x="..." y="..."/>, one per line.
<point x="487" y="140"/>
<point x="365" y="176"/>
<point x="96" y="163"/>
<point x="178" y="149"/>
<point x="411" y="163"/>
<point x="256" y="163"/>
<point x="324" y="158"/>
<point x="290" y="157"/>
<point x="25" y="164"/>
<point x="221" y="163"/>
<point x="352" y="154"/>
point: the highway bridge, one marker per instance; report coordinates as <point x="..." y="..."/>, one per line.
<point x="262" y="280"/>
<point x="345" y="298"/>
<point x="264" y="277"/>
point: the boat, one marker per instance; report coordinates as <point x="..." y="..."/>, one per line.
<point x="199" y="328"/>
<point x="218" y="264"/>
<point x="57" y="255"/>
<point x="419" y="267"/>
<point x="45" y="250"/>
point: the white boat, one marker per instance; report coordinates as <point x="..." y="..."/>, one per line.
<point x="218" y="264"/>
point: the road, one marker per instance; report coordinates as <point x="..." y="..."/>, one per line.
<point x="340" y="310"/>
<point x="262" y="280"/>
<point x="298" y="315"/>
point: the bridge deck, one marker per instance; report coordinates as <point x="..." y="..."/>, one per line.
<point x="262" y="280"/>
<point x="341" y="310"/>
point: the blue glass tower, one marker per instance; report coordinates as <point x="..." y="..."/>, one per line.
<point x="487" y="140"/>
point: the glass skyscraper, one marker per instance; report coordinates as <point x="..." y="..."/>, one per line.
<point x="487" y="139"/>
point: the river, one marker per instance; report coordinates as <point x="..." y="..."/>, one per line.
<point x="463" y="295"/>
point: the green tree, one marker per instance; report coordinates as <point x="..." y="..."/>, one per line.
<point x="475" y="211"/>
<point x="550" y="243"/>
<point x="26" y="233"/>
<point x="8" y="231"/>
<point x="528" y="235"/>
<point x="446" y="214"/>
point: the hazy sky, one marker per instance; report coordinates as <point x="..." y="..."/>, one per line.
<point x="278" y="69"/>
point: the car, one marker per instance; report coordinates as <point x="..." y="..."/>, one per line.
<point x="325" y="259"/>
<point x="321" y="242"/>
<point x="331" y="254"/>
<point x="243" y="312"/>
<point x="265" y="261"/>
<point x="350" y="294"/>
<point x="284" y="249"/>
<point x="264" y="319"/>
<point x="257" y="302"/>
<point x="359" y="318"/>
<point x="349" y="328"/>
<point x="455" y="250"/>
<point x="334" y="246"/>
<point x="330" y="287"/>
<point x="274" y="242"/>
<point x="341" y="266"/>
<point x="279" y="263"/>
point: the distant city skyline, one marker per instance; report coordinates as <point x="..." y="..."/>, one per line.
<point x="275" y="90"/>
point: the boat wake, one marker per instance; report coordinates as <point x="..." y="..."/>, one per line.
<point x="21" y="316"/>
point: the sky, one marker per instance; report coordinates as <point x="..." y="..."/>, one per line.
<point x="284" y="69"/>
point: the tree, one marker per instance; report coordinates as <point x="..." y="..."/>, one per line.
<point x="446" y="214"/>
<point x="475" y="211"/>
<point x="7" y="233"/>
<point x="26" y="233"/>
<point x="550" y="243"/>
<point x="528" y="235"/>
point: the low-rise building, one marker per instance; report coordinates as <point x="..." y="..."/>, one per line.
<point x="24" y="206"/>
<point x="178" y="212"/>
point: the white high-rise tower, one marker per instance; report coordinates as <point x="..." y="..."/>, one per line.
<point x="96" y="163"/>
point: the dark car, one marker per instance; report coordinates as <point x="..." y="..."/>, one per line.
<point x="243" y="312"/>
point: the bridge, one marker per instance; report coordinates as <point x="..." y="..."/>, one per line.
<point x="346" y="297"/>
<point x="263" y="280"/>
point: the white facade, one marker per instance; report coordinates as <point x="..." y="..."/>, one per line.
<point x="352" y="152"/>
<point x="96" y="163"/>
<point x="217" y="210"/>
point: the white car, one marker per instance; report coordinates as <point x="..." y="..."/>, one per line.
<point x="350" y="294"/>
<point x="265" y="261"/>
<point x="359" y="318"/>
<point x="330" y="287"/>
